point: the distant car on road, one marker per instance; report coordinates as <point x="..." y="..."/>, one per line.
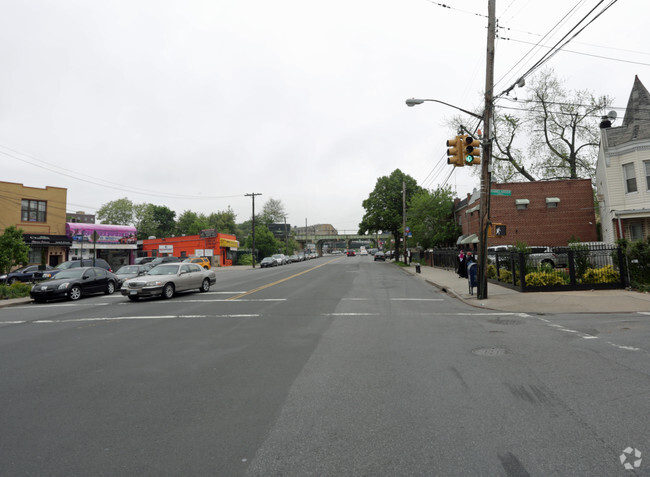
<point x="379" y="255"/>
<point x="167" y="259"/>
<point x="351" y="253"/>
<point x="203" y="261"/>
<point x="25" y="274"/>
<point x="73" y="283"/>
<point x="167" y="279"/>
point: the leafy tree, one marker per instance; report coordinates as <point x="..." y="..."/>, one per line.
<point x="154" y="220"/>
<point x="191" y="223"/>
<point x="13" y="250"/>
<point x="431" y="218"/>
<point x="116" y="212"/>
<point x="265" y="242"/>
<point x="143" y="220"/>
<point x="164" y="217"/>
<point x="224" y="221"/>
<point x="273" y="212"/>
<point x="384" y="208"/>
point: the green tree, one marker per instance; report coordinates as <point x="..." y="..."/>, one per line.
<point x="116" y="212"/>
<point x="164" y="219"/>
<point x="265" y="242"/>
<point x="273" y="212"/>
<point x="191" y="223"/>
<point x="431" y="218"/>
<point x="384" y="208"/>
<point x="13" y="249"/>
<point x="224" y="221"/>
<point x="154" y="221"/>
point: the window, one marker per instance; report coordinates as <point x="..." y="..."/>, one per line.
<point x="647" y="174"/>
<point x="522" y="204"/>
<point x="636" y="231"/>
<point x="552" y="202"/>
<point x="630" y="178"/>
<point x="35" y="254"/>
<point x="33" y="211"/>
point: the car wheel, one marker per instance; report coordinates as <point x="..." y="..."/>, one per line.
<point x="11" y="281"/>
<point x="549" y="263"/>
<point x="205" y="286"/>
<point x="134" y="298"/>
<point x="110" y="288"/>
<point x="75" y="293"/>
<point x="168" y="291"/>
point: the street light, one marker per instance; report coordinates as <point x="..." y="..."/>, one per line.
<point x="413" y="101"/>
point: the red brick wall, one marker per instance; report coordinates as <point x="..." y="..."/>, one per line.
<point x="538" y="225"/>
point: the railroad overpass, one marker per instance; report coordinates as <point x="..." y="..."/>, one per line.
<point x="321" y="239"/>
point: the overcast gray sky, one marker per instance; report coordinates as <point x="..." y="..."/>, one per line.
<point x="192" y="104"/>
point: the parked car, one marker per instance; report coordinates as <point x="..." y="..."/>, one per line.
<point x="540" y="255"/>
<point x="25" y="274"/>
<point x="143" y="260"/>
<point x="268" y="262"/>
<point x="86" y="262"/>
<point x="203" y="261"/>
<point x="130" y="271"/>
<point x="167" y="279"/>
<point x="492" y="252"/>
<point x="280" y="258"/>
<point x="379" y="255"/>
<point x="159" y="260"/>
<point x="73" y="283"/>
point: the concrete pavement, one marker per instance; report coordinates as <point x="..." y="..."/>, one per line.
<point x="506" y="299"/>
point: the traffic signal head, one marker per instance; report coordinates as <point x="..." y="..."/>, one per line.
<point x="471" y="151"/>
<point x="455" y="151"/>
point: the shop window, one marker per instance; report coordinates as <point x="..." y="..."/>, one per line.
<point x="33" y="211"/>
<point x="35" y="254"/>
<point x="630" y="178"/>
<point x="647" y="174"/>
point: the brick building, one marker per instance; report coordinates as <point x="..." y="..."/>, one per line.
<point x="536" y="213"/>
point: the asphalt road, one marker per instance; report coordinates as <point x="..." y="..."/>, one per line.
<point x="323" y="368"/>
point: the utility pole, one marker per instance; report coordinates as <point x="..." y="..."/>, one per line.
<point x="286" y="238"/>
<point x="403" y="222"/>
<point x="486" y="166"/>
<point x="252" y="196"/>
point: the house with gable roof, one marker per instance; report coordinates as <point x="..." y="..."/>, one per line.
<point x="623" y="171"/>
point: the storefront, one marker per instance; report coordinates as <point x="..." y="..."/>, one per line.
<point x="114" y="243"/>
<point x="221" y="249"/>
<point x="48" y="249"/>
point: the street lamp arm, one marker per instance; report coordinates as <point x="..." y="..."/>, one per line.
<point x="413" y="101"/>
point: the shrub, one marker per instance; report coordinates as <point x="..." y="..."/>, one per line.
<point x="245" y="259"/>
<point x="16" y="290"/>
<point x="606" y="274"/>
<point x="544" y="279"/>
<point x="505" y="276"/>
<point x="492" y="271"/>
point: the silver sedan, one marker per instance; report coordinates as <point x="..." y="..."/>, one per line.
<point x="166" y="279"/>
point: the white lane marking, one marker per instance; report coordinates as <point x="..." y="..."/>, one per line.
<point x="354" y="299"/>
<point x="626" y="348"/>
<point x="350" y="314"/>
<point x="644" y="312"/>
<point x="152" y="317"/>
<point x="11" y="322"/>
<point x="585" y="336"/>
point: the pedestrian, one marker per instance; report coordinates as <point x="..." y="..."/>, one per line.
<point x="462" y="265"/>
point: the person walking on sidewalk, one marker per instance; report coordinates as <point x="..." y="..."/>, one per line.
<point x="462" y="265"/>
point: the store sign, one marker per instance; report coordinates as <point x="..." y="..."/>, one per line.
<point x="50" y="240"/>
<point x="165" y="249"/>
<point x="228" y="243"/>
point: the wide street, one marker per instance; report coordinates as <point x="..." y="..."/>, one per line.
<point x="331" y="367"/>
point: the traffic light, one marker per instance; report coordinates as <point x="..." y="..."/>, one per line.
<point x="472" y="151"/>
<point x="455" y="151"/>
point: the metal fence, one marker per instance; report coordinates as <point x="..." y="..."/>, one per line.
<point x="575" y="267"/>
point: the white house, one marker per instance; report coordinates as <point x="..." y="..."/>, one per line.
<point x="623" y="171"/>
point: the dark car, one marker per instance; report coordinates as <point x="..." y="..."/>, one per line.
<point x="143" y="260"/>
<point x="73" y="283"/>
<point x="157" y="261"/>
<point x="380" y="256"/>
<point x="86" y="262"/>
<point x="25" y="274"/>
<point x="130" y="271"/>
<point x="351" y="253"/>
<point x="268" y="262"/>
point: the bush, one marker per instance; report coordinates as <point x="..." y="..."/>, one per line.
<point x="505" y="276"/>
<point x="606" y="274"/>
<point x="245" y="259"/>
<point x="16" y="290"/>
<point x="492" y="271"/>
<point x="544" y="278"/>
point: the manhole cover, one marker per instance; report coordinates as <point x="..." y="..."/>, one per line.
<point x="489" y="351"/>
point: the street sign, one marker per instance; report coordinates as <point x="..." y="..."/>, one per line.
<point x="500" y="192"/>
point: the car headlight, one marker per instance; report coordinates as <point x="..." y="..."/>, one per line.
<point x="63" y="286"/>
<point x="3" y="277"/>
<point x="155" y="283"/>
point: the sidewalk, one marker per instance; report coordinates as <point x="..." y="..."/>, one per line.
<point x="506" y="299"/>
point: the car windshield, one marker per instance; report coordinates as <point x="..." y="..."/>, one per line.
<point x="129" y="269"/>
<point x="164" y="270"/>
<point x="66" y="265"/>
<point x="70" y="273"/>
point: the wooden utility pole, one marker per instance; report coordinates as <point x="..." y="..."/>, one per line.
<point x="252" y="195"/>
<point x="403" y="222"/>
<point x="484" y="213"/>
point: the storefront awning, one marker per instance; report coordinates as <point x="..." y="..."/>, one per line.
<point x="469" y="239"/>
<point x="460" y="238"/>
<point x="224" y="242"/>
<point x="47" y="240"/>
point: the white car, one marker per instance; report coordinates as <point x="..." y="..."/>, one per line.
<point x="168" y="278"/>
<point x="363" y="252"/>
